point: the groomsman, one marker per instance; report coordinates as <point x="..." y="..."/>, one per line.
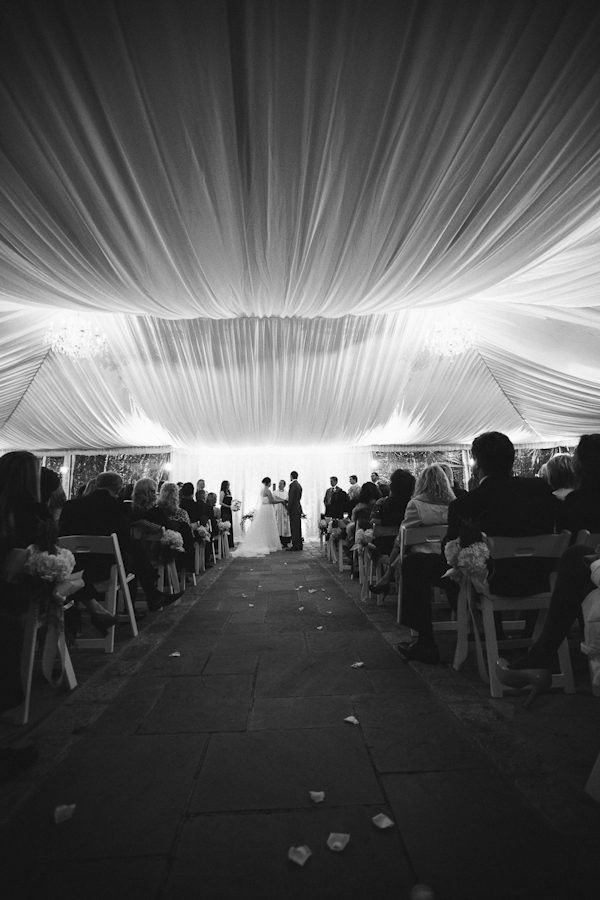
<point x="295" y="511"/>
<point x="335" y="500"/>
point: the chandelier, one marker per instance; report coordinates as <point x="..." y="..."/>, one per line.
<point x="451" y="338"/>
<point x="76" y="337"/>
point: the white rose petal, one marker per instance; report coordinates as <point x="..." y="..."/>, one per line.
<point x="357" y="665"/>
<point x="382" y="821"/>
<point x="352" y="719"/>
<point x="177" y="653"/>
<point x="299" y="855"/>
<point x="317" y="796"/>
<point x="319" y="628"/>
<point x="337" y="841"/>
<point x="64" y="812"/>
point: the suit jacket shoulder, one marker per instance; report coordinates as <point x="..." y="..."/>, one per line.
<point x="509" y="505"/>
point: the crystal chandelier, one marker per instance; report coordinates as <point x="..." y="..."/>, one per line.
<point x="76" y="337"/>
<point x="451" y="338"/>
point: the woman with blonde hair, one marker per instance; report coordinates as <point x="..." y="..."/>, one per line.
<point x="428" y="506"/>
<point x="168" y="500"/>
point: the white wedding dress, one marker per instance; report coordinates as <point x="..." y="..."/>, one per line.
<point x="263" y="537"/>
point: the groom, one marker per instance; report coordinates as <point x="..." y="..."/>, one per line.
<point x="295" y="511"/>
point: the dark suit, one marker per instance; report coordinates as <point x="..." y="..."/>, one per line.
<point x="336" y="501"/>
<point x="295" y="513"/>
<point x="191" y="507"/>
<point x="501" y="506"/>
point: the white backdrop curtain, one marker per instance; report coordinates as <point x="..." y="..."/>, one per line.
<point x="267" y="205"/>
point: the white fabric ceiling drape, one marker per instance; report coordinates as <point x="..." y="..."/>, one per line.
<point x="265" y="206"/>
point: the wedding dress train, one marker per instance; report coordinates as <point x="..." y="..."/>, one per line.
<point x="263" y="537"/>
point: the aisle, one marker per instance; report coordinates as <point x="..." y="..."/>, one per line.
<point x="196" y="779"/>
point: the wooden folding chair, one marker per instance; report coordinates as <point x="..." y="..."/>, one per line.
<point x="410" y="537"/>
<point x="115" y="586"/>
<point x="545" y="546"/>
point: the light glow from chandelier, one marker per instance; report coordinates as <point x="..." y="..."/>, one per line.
<point x="75" y="337"/>
<point x="450" y="338"/>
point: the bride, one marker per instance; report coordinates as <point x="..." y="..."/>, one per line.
<point x="264" y="534"/>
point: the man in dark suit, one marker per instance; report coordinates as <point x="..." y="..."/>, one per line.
<point x="335" y="500"/>
<point x="102" y="513"/>
<point x="295" y="511"/>
<point x="502" y="504"/>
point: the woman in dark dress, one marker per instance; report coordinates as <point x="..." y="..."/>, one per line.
<point x="225" y="500"/>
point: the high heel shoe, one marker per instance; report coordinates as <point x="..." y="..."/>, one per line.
<point x="102" y="623"/>
<point x="380" y="589"/>
<point x="539" y="679"/>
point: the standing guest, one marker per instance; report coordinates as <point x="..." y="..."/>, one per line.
<point x="375" y="477"/>
<point x="335" y="500"/>
<point x="502" y="504"/>
<point x="559" y="474"/>
<point x="581" y="507"/>
<point x="24" y="520"/>
<point x="353" y="492"/>
<point x="208" y="518"/>
<point x="225" y="501"/>
<point x="295" y="511"/>
<point x="281" y="514"/>
<point x="200" y="486"/>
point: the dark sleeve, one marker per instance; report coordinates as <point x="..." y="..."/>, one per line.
<point x="65" y="523"/>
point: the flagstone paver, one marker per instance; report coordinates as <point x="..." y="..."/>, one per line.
<point x="193" y="778"/>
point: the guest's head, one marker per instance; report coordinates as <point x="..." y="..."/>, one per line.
<point x="19" y="484"/>
<point x="211" y="499"/>
<point x="90" y="486"/>
<point x="109" y="481"/>
<point x="374" y="477"/>
<point x="187" y="489"/>
<point x="201" y="496"/>
<point x="168" y="497"/>
<point x="225" y="487"/>
<point x="369" y="493"/>
<point x="49" y="482"/>
<point x="200" y="484"/>
<point x="493" y="454"/>
<point x="434" y="485"/>
<point x="144" y="494"/>
<point x="293" y="475"/>
<point x="281" y="485"/>
<point x="333" y="481"/>
<point x="354" y="479"/>
<point x="558" y="471"/>
<point x="266" y="482"/>
<point x="402" y="483"/>
<point x="586" y="461"/>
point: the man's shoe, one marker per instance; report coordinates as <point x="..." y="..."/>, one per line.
<point x="420" y="653"/>
<point x="164" y="600"/>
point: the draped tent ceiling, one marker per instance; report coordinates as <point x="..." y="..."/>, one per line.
<point x="266" y="207"/>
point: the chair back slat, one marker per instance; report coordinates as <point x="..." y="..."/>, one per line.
<point x="589" y="540"/>
<point x="426" y="534"/>
<point x="385" y="530"/>
<point x="88" y="543"/>
<point x="548" y="546"/>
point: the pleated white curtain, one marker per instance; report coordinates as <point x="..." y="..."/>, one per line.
<point x="266" y="205"/>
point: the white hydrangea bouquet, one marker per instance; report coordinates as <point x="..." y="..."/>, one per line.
<point x="171" y="543"/>
<point x="469" y="555"/>
<point x="224" y="526"/>
<point x="202" y="532"/>
<point x="55" y="571"/>
<point x="363" y="538"/>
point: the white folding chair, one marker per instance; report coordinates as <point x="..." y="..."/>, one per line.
<point x="168" y="570"/>
<point x="545" y="546"/>
<point x="378" y="563"/>
<point x="410" y="537"/>
<point x="115" y="586"/>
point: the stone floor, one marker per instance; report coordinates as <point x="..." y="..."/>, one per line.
<point x="192" y="774"/>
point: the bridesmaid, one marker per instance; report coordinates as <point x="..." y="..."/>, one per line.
<point x="225" y="500"/>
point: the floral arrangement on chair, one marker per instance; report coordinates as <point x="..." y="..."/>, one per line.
<point x="363" y="538"/>
<point x="171" y="543"/>
<point x="55" y="571"/>
<point x="202" y="532"/>
<point x="468" y="555"/>
<point x="324" y="526"/>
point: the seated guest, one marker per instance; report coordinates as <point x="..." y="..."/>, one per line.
<point x="579" y="510"/>
<point x="101" y="512"/>
<point x="187" y="502"/>
<point x="179" y="520"/>
<point x="24" y="520"/>
<point x="335" y="500"/>
<point x="559" y="474"/>
<point x="144" y="509"/>
<point x="502" y="504"/>
<point x="456" y="488"/>
<point x="389" y="511"/>
<point x="581" y="507"/>
<point x="428" y="506"/>
<point x="362" y="512"/>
